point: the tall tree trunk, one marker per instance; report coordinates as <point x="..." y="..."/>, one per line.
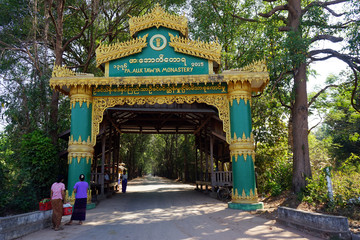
<point x="299" y="112"/>
<point x="301" y="159"/>
<point x="54" y="105"/>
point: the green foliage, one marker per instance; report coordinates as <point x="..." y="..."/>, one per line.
<point x="319" y="153"/>
<point x="345" y="185"/>
<point x="346" y="181"/>
<point x="242" y="41"/>
<point x="277" y="178"/>
<point x="316" y="189"/>
<point x="297" y="47"/>
<point x="132" y="151"/>
<point x="172" y="155"/>
<point x="342" y="125"/>
<point x="27" y="172"/>
<point x="38" y="158"/>
<point x="274" y="169"/>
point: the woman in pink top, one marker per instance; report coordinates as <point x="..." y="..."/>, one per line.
<point x="57" y="197"/>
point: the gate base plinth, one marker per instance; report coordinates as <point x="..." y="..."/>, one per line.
<point x="90" y="206"/>
<point x="246" y="206"/>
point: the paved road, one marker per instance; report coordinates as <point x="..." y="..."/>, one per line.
<point x="160" y="209"/>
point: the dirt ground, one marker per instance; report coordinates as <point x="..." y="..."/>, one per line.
<point x="289" y="199"/>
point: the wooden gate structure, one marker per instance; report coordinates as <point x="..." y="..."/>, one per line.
<point x="162" y="71"/>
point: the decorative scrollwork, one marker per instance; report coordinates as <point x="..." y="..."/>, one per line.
<point x="220" y="101"/>
<point x="242" y="147"/>
<point x="62" y="71"/>
<point x="106" y="53"/>
<point x="243" y="198"/>
<point x="158" y="17"/>
<point x="80" y="149"/>
<point x="257" y="66"/>
<point x="211" y="51"/>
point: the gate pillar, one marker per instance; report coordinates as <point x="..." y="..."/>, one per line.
<point x="244" y="193"/>
<point x="80" y="149"/>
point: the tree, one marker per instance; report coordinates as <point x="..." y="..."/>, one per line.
<point x="301" y="25"/>
<point x="342" y="125"/>
<point x="306" y="25"/>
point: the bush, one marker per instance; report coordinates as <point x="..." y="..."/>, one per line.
<point x="276" y="178"/>
<point x="346" y="182"/>
<point x="28" y="173"/>
<point x="316" y="189"/>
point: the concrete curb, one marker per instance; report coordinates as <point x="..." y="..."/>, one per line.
<point x="316" y="224"/>
<point x="23" y="224"/>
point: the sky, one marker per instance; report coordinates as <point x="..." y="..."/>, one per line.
<point x="324" y="69"/>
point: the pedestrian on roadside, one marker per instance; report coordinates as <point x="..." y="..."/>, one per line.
<point x="79" y="209"/>
<point x="124" y="181"/>
<point x="57" y="196"/>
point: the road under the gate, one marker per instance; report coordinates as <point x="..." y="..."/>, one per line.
<point x="155" y="208"/>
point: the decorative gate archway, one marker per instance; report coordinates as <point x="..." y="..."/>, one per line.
<point x="162" y="66"/>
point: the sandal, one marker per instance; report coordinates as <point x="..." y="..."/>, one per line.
<point x="80" y="223"/>
<point x="68" y="223"/>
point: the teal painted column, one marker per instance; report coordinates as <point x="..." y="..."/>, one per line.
<point x="80" y="148"/>
<point x="244" y="195"/>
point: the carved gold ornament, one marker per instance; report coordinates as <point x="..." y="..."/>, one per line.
<point x="243" y="198"/>
<point x="257" y="66"/>
<point x="211" y="51"/>
<point x="80" y="94"/>
<point x="62" y="71"/>
<point x="242" y="147"/>
<point x="68" y="198"/>
<point x="80" y="149"/>
<point x="71" y="199"/>
<point x="88" y="196"/>
<point x="220" y="101"/>
<point x="256" y="80"/>
<point x="239" y="90"/>
<point x="106" y="53"/>
<point x="158" y="17"/>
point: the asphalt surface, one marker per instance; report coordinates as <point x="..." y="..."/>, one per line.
<point x="159" y="209"/>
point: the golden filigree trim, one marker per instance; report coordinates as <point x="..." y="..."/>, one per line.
<point x="236" y="153"/>
<point x="243" y="198"/>
<point x="68" y="198"/>
<point x="211" y="51"/>
<point x="255" y="79"/>
<point x="80" y="94"/>
<point x="88" y="196"/>
<point x="62" y="71"/>
<point x="239" y="91"/>
<point x="245" y="97"/>
<point x="79" y="141"/>
<point x="220" y="101"/>
<point x="242" y="146"/>
<point x="80" y="99"/>
<point x="158" y="17"/>
<point x="106" y="53"/>
<point x="243" y="139"/>
<point x="257" y="66"/>
<point x="80" y="149"/>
